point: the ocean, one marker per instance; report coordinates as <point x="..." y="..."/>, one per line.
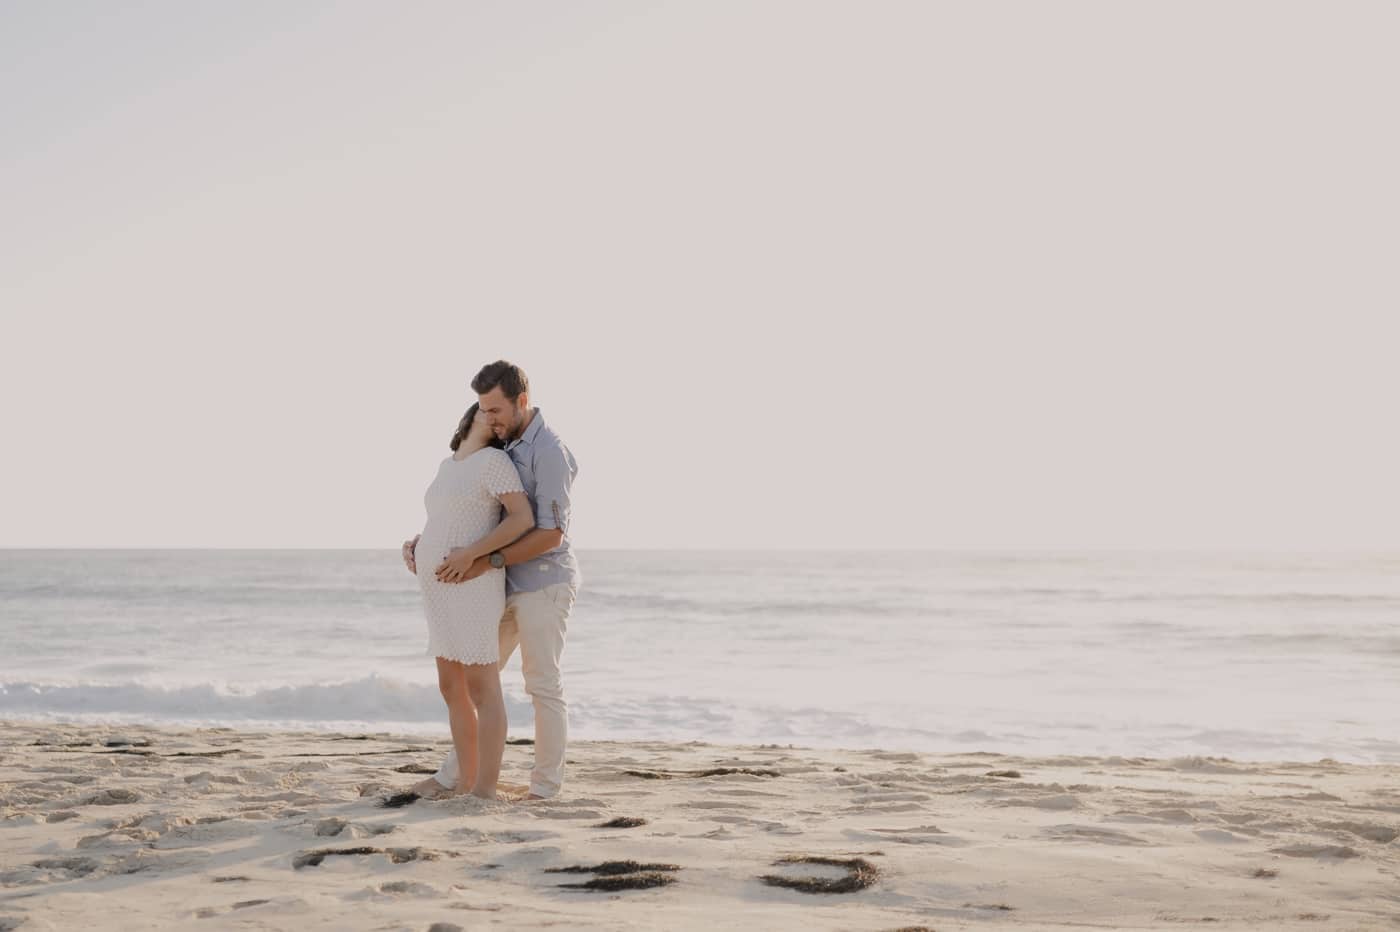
<point x="1247" y="656"/>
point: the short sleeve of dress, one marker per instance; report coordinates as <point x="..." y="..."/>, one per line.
<point x="501" y="476"/>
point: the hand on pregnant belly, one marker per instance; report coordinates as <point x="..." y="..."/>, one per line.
<point x="460" y="566"/>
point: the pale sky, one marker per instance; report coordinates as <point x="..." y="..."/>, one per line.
<point x="783" y="274"/>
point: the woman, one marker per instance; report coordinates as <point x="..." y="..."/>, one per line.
<point x="464" y="522"/>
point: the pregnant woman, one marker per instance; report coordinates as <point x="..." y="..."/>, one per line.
<point x="464" y="522"/>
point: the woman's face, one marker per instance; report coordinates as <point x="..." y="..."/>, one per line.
<point x="480" y="431"/>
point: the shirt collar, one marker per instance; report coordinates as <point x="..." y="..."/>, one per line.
<point x="536" y="423"/>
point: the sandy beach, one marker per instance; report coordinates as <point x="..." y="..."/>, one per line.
<point x="138" y="828"/>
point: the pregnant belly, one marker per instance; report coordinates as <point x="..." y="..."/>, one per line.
<point x="437" y="542"/>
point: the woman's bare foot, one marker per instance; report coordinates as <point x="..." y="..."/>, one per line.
<point x="430" y="788"/>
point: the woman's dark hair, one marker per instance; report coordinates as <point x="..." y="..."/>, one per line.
<point x="464" y="427"/>
<point x="508" y="376"/>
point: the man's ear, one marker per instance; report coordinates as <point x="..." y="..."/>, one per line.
<point x="524" y="401"/>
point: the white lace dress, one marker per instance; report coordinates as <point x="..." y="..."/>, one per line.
<point x="463" y="504"/>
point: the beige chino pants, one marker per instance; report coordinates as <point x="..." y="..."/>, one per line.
<point x="537" y="622"/>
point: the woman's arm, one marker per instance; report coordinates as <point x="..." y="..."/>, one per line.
<point x="520" y="517"/>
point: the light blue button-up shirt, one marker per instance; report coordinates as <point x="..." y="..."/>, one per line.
<point x="547" y="470"/>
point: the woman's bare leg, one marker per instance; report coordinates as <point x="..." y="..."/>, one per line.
<point x="461" y="717"/>
<point x="484" y="684"/>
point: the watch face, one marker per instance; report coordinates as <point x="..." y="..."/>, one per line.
<point x="498" y="560"/>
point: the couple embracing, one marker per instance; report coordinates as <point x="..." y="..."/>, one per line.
<point x="496" y="570"/>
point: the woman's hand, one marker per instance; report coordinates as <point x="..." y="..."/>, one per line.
<point x="410" y="560"/>
<point x="455" y="568"/>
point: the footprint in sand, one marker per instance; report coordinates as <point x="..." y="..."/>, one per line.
<point x="410" y="887"/>
<point x="49" y="870"/>
<point x="476" y="836"/>
<point x="890" y="808"/>
<point x="291" y="797"/>
<point x="119" y="838"/>
<point x="1107" y="836"/>
<point x="281" y="903"/>
<point x="548" y="812"/>
<point x="1056" y="803"/>
<point x="336" y="827"/>
<point x="875" y="796"/>
<point x="777" y="828"/>
<point x="716" y="804"/>
<point x="117" y="797"/>
<point x="1153" y="816"/>
<point x="1324" y="852"/>
<point x="395" y="890"/>
<point x="918" y="835"/>
<point x="209" y="782"/>
<point x="1383" y="834"/>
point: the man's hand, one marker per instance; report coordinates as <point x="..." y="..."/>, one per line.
<point x="409" y="555"/>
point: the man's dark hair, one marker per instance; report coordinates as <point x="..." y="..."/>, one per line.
<point x="509" y="377"/>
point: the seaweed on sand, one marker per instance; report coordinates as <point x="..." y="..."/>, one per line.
<point x="860" y="874"/>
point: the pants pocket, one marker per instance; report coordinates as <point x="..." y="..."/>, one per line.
<point x="563" y="597"/>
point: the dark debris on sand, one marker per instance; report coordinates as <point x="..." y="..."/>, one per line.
<point x="622" y="822"/>
<point x="399" y="800"/>
<point x="860" y="874"/>
<point x="712" y="772"/>
<point x="137" y="746"/>
<point x="397" y="855"/>
<point x="622" y="882"/>
<point x="415" y="768"/>
<point x="619" y="875"/>
<point x="612" y="867"/>
<point x="520" y="741"/>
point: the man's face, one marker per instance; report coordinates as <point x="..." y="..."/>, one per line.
<point x="505" y="417"/>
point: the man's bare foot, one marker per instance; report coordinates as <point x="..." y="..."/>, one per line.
<point x="511" y="792"/>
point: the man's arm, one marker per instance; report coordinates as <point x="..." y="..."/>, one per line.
<point x="519" y="518"/>
<point x="532" y="544"/>
<point x="555" y="469"/>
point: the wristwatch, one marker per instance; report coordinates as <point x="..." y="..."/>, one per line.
<point x="498" y="560"/>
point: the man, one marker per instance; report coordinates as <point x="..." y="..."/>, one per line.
<point x="542" y="575"/>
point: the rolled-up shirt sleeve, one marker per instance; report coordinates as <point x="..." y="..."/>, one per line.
<point x="555" y="469"/>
